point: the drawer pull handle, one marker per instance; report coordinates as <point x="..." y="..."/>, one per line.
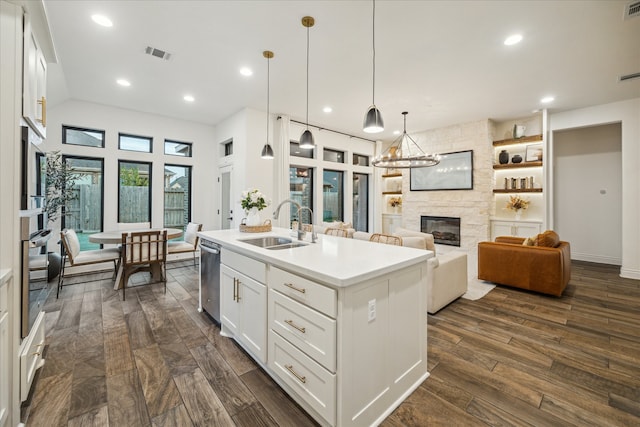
<point x="235" y="288"/>
<point x="293" y="325"/>
<point x="37" y="353"/>
<point x="300" y="378"/>
<point x="292" y="286"/>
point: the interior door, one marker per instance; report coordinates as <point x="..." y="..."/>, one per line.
<point x="226" y="206"/>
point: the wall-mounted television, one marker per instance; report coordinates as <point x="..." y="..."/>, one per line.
<point x="454" y="172"/>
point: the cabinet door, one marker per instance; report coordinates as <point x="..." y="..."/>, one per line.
<point x="5" y="354"/>
<point x="252" y="297"/>
<point x="34" y="82"/>
<point x="229" y="306"/>
<point x="501" y="228"/>
<point x="525" y="229"/>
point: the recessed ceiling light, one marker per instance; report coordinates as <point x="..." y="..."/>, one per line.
<point x="102" y="20"/>
<point x="246" y="71"/>
<point x="396" y="132"/>
<point x="513" y="39"/>
<point x="547" y="99"/>
<point x="327" y="109"/>
<point x="189" y="98"/>
<point x="123" y="82"/>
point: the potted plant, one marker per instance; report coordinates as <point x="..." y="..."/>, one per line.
<point x="252" y="202"/>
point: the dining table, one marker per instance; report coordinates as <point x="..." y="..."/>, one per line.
<point x="114" y="237"/>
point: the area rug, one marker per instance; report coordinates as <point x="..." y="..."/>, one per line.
<point x="476" y="289"/>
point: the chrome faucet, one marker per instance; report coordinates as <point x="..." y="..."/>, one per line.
<point x="301" y="232"/>
<point x="314" y="236"/>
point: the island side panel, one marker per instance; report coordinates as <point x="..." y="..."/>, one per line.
<point x="381" y="360"/>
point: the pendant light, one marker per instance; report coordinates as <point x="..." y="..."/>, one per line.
<point x="306" y="139"/>
<point x="373" y="122"/>
<point x="267" y="151"/>
<point x="404" y="152"/>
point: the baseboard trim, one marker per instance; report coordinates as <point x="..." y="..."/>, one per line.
<point x="629" y="273"/>
<point x="599" y="259"/>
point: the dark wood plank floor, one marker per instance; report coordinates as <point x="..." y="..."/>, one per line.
<point x="511" y="358"/>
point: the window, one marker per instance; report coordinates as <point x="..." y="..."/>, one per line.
<point x="295" y="150"/>
<point x="333" y="195"/>
<point x="301" y="190"/>
<point x="177" y="196"/>
<point x="135" y="143"/>
<point x="175" y="148"/>
<point x="361" y="201"/>
<point x="84" y="213"/>
<point x="134" y="191"/>
<point x="80" y="136"/>
<point x="228" y="148"/>
<point x="360" y="160"/>
<point x="333" y="155"/>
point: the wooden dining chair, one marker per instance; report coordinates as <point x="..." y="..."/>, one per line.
<point x="386" y="239"/>
<point x="71" y="253"/>
<point x="190" y="243"/>
<point x="144" y="251"/>
<point x="339" y="232"/>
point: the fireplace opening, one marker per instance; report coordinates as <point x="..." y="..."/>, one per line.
<point x="445" y="230"/>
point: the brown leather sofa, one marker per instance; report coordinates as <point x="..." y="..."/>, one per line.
<point x="536" y="268"/>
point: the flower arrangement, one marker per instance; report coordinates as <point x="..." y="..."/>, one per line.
<point x="516" y="203"/>
<point x="254" y="199"/>
<point x="395" y="201"/>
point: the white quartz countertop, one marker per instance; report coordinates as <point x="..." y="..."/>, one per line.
<point x="335" y="261"/>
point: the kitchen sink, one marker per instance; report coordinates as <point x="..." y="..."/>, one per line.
<point x="272" y="242"/>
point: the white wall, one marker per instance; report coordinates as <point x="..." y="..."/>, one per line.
<point x="116" y="120"/>
<point x="627" y="113"/>
<point x="588" y="192"/>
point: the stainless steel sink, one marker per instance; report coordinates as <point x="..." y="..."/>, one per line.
<point x="272" y="242"/>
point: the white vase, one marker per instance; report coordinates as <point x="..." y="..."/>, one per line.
<point x="253" y="217"/>
<point x="518" y="215"/>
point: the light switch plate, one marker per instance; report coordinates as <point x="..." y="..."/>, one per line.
<point x="372" y="310"/>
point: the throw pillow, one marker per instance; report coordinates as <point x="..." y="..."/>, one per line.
<point x="548" y="239"/>
<point x="529" y="241"/>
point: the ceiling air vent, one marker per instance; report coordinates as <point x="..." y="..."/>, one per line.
<point x="632" y="10"/>
<point x="157" y="53"/>
<point x="629" y="77"/>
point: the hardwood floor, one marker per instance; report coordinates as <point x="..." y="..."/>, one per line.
<point x="510" y="358"/>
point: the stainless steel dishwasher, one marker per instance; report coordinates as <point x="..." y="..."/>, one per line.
<point x="210" y="278"/>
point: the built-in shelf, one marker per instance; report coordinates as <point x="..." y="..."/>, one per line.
<point x="391" y="175"/>
<point x="392" y="192"/>
<point x="519" y="165"/>
<point x="524" y="190"/>
<point x="512" y="141"/>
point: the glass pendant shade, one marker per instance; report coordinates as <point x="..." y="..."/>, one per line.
<point x="404" y="152"/>
<point x="373" y="122"/>
<point x="306" y="140"/>
<point x="267" y="152"/>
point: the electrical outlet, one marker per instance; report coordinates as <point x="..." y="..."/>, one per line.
<point x="372" y="310"/>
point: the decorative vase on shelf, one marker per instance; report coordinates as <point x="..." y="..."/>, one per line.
<point x="503" y="157"/>
<point x="253" y="217"/>
<point x="518" y="215"/>
<point x="517" y="158"/>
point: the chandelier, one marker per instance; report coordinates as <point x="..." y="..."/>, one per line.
<point x="404" y="152"/>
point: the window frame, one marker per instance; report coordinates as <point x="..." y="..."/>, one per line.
<point x="130" y="135"/>
<point x="341" y="193"/>
<point x="189" y="185"/>
<point x="339" y="154"/>
<point x="367" y="204"/>
<point x="302" y="150"/>
<point x="65" y="128"/>
<point x="172" y="141"/>
<point x="150" y="203"/>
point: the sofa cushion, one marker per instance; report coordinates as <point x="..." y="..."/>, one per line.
<point x="548" y="239"/>
<point x="403" y="232"/>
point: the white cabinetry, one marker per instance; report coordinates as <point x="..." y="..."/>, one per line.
<point x="5" y="352"/>
<point x="34" y="102"/>
<point x="390" y="222"/>
<point x="514" y="228"/>
<point x="243" y="302"/>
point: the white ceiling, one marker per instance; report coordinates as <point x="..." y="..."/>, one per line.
<point x="443" y="61"/>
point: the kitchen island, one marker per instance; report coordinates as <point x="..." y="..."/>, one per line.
<point x="340" y="324"/>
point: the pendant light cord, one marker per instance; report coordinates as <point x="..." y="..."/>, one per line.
<point x="307" y="77"/>
<point x="268" y="81"/>
<point x="374" y="52"/>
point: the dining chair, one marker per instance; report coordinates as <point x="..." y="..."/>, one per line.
<point x="144" y="251"/>
<point x="190" y="243"/>
<point x="386" y="238"/>
<point x="336" y="232"/>
<point x="71" y="253"/>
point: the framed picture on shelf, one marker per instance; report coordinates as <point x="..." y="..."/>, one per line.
<point x="533" y="153"/>
<point x="454" y="172"/>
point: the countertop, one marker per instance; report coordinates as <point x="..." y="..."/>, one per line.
<point x="335" y="261"/>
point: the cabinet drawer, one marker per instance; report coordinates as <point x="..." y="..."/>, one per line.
<point x="310" y="331"/>
<point x="314" y="384"/>
<point x="317" y="296"/>
<point x="31" y="355"/>
<point x="245" y="265"/>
